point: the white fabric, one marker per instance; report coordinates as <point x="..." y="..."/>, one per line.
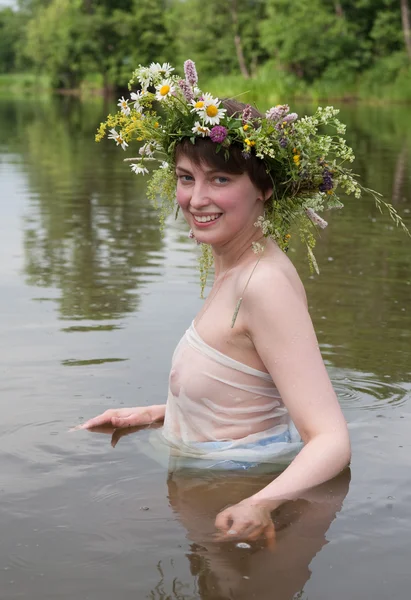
<point x="219" y="408"/>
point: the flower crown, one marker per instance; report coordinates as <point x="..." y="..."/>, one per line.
<point x="306" y="165"/>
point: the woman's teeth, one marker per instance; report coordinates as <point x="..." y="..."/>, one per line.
<point x="207" y="218"/>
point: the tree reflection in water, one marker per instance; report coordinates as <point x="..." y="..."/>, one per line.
<point x="89" y="230"/>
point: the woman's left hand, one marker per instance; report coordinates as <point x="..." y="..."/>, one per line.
<point x="245" y="521"/>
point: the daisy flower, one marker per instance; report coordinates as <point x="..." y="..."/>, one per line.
<point x="157" y="69"/>
<point x="146" y="149"/>
<point x="139" y="169"/>
<point x="113" y="135"/>
<point x="199" y="129"/>
<point x="136" y="97"/>
<point x="164" y="89"/>
<point x="208" y="108"/>
<point x="197" y="105"/>
<point x="122" y="103"/>
<point x="144" y="77"/>
<point x="164" y="165"/>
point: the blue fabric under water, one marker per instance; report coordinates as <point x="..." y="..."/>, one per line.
<point x="235" y="464"/>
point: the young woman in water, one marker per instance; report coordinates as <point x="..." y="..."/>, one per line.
<point x="248" y="385"/>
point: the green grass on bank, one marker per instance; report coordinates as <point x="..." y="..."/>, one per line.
<point x="17" y="83"/>
<point x="389" y="81"/>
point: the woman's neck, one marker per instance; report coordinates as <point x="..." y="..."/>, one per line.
<point x="234" y="252"/>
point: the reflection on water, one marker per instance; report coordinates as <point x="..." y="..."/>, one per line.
<point x="87" y="282"/>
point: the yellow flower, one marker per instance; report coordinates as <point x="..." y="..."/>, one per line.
<point x="212" y="110"/>
<point x="247" y="141"/>
<point x="199" y="104"/>
<point x="140" y="139"/>
<point x="164" y="90"/>
<point x="296" y="159"/>
<point x="245" y="127"/>
<point x="288" y="236"/>
<point x="156" y="125"/>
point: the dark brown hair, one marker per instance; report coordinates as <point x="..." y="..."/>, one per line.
<point x="204" y="152"/>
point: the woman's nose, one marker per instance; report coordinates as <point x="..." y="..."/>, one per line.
<point x="199" y="197"/>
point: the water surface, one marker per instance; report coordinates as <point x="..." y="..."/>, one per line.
<point x="92" y="304"/>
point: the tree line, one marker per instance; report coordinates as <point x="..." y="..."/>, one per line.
<point x="308" y="40"/>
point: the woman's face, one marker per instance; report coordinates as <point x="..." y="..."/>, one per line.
<point x="218" y="206"/>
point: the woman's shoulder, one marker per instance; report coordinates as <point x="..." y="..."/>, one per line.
<point x="274" y="277"/>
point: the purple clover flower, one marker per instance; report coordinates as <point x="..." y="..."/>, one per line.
<point x="186" y="89"/>
<point x="247" y="113"/>
<point x="283" y="142"/>
<point x="190" y="72"/>
<point x="218" y="134"/>
<point x="277" y="112"/>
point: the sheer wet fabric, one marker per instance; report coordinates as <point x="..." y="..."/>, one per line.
<point x="223" y="414"/>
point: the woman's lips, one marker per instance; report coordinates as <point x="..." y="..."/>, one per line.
<point x="203" y="224"/>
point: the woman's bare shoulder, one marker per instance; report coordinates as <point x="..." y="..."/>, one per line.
<point x="276" y="275"/>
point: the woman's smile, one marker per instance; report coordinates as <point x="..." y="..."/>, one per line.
<point x="206" y="220"/>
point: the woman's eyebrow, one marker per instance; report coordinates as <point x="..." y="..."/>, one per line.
<point x="207" y="171"/>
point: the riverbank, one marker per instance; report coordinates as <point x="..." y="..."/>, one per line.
<point x="387" y="83"/>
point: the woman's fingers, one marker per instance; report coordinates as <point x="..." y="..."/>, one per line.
<point x="106" y="418"/>
<point x="118" y="418"/>
<point x="223" y="521"/>
<point x="270" y="536"/>
<point x="103" y="419"/>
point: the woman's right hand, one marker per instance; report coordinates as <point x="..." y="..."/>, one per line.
<point x="138" y="416"/>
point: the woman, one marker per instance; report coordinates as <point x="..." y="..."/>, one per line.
<point x="249" y="370"/>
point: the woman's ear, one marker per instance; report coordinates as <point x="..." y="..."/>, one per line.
<point x="268" y="193"/>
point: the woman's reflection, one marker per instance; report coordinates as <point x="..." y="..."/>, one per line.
<point x="225" y="571"/>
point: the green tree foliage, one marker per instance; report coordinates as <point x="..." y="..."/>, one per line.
<point x="206" y="31"/>
<point x="52" y="41"/>
<point x="11" y="25"/>
<point x="313" y="41"/>
<point x="310" y="37"/>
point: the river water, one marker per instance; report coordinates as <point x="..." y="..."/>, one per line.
<point x="92" y="304"/>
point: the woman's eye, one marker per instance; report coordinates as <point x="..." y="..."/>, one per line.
<point x="185" y="178"/>
<point x="221" y="179"/>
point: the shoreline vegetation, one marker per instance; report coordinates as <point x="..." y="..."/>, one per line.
<point x="268" y="89"/>
<point x="274" y="50"/>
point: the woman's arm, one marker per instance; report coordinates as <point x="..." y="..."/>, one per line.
<point x="138" y="416"/>
<point x="278" y="323"/>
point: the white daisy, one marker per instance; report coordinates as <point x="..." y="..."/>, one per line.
<point x="157" y="69"/>
<point x="139" y="169"/>
<point x="144" y="77"/>
<point x="211" y="112"/>
<point x="208" y="108"/>
<point x="113" y="135"/>
<point x="164" y="89"/>
<point x="164" y="165"/>
<point x="122" y="103"/>
<point x="209" y="99"/>
<point x="136" y="97"/>
<point x="146" y="150"/>
<point x="199" y="129"/>
<point x="198" y="105"/>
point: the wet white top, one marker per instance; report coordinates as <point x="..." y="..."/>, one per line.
<point x="219" y="407"/>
